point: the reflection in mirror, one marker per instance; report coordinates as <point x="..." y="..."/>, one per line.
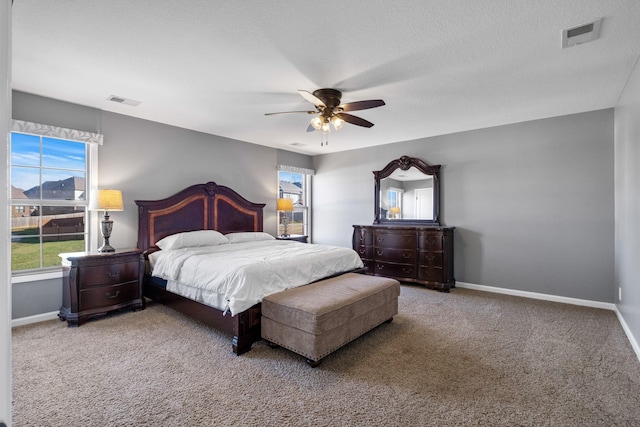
<point x="406" y="195"/>
<point x="407" y="191"/>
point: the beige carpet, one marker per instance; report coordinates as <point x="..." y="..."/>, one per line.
<point x="464" y="358"/>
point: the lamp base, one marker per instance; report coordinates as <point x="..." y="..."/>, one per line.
<point x="106" y="247"/>
<point x="107" y="227"/>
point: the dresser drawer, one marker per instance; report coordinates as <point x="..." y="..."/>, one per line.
<point x="370" y="266"/>
<point x="395" y="270"/>
<point x="362" y="236"/>
<point x="395" y="255"/>
<point x="105" y="296"/>
<point x="109" y="274"/>
<point x="365" y="252"/>
<point x="430" y="241"/>
<point x="397" y="240"/>
<point x="430" y="259"/>
<point x="430" y="273"/>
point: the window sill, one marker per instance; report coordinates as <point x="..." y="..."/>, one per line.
<point x="35" y="277"/>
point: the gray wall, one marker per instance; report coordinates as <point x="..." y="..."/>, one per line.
<point x="37" y="297"/>
<point x="532" y="203"/>
<point x="627" y="219"/>
<point x="148" y="160"/>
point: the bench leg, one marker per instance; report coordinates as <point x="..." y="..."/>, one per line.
<point x="313" y="363"/>
<point x="310" y="362"/>
<point x="271" y="344"/>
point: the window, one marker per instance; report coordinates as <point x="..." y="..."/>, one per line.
<point x="295" y="183"/>
<point x="49" y="194"/>
<point x="394" y="200"/>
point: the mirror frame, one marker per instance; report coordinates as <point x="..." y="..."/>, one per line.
<point x="404" y="163"/>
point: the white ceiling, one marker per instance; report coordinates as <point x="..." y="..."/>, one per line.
<point x="441" y="66"/>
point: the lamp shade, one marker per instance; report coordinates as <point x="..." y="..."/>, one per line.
<point x="285" y="204"/>
<point x="106" y="200"/>
<point x="395" y="210"/>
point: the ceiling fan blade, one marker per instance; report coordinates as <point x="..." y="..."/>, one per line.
<point x="312" y="98"/>
<point x="361" y="105"/>
<point x="291" y="112"/>
<point x="355" y="120"/>
<point x="310" y="128"/>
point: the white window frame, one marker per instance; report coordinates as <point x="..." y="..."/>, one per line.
<point x="306" y="209"/>
<point x="93" y="141"/>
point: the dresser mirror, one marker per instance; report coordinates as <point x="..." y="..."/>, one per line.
<point x="407" y="191"/>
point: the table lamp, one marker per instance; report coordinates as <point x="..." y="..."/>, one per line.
<point x="285" y="205"/>
<point x="106" y="200"/>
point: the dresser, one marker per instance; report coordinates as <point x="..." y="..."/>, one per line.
<point x="94" y="284"/>
<point x="418" y="254"/>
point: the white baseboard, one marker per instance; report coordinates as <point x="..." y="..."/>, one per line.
<point x="34" y="319"/>
<point x="535" y="295"/>
<point x="630" y="337"/>
<point x="565" y="300"/>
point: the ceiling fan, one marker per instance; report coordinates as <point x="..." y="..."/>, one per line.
<point x="330" y="112"/>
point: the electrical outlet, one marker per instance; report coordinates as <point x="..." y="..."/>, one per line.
<point x="619" y="293"/>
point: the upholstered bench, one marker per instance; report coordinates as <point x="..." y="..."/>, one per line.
<point x="317" y="319"/>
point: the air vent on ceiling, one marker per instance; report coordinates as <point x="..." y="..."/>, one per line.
<point x="121" y="100"/>
<point x="581" y="34"/>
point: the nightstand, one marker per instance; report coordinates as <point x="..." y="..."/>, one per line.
<point x="94" y="284"/>
<point x="296" y="237"/>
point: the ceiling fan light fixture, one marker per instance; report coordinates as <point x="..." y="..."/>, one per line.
<point x="337" y="122"/>
<point x="316" y="122"/>
<point x="330" y="112"/>
<point x="325" y="128"/>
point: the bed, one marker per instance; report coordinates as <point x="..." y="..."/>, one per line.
<point x="194" y="211"/>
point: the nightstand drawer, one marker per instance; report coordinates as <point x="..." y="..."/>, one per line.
<point x="109" y="274"/>
<point x="105" y="296"/>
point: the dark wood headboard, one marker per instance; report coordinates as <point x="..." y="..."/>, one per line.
<point x="198" y="207"/>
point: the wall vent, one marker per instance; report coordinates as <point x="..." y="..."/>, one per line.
<point x="122" y="100"/>
<point x="581" y="34"/>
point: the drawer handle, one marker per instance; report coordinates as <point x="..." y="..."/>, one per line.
<point x="379" y="266"/>
<point x="113" y="275"/>
<point x="380" y="239"/>
<point x="407" y="240"/>
<point x="362" y="251"/>
<point x="114" y="295"/>
<point x="380" y="253"/>
<point x="407" y="255"/>
<point x="431" y="242"/>
<point x="430" y="258"/>
<point x="407" y="270"/>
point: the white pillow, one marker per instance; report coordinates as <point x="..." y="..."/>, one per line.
<point x="248" y="237"/>
<point x="190" y="239"/>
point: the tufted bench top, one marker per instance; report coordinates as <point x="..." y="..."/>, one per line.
<point x="322" y="306"/>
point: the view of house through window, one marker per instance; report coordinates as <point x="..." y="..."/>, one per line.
<point x="295" y="186"/>
<point x="48" y="199"/>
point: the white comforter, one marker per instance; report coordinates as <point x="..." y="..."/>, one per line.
<point x="233" y="277"/>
